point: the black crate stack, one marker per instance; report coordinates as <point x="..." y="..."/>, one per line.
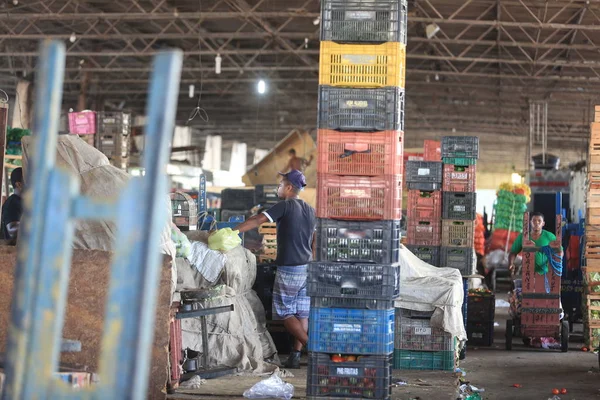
<point x="356" y="278"/>
<point x="113" y="136"/>
<point x="481" y="310"/>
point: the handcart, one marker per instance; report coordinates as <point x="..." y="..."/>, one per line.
<point x="540" y="310"/>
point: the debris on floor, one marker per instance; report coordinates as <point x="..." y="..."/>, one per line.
<point x="273" y="387"/>
<point x="502" y="303"/>
<point x="469" y="392"/>
<point x="193" y="383"/>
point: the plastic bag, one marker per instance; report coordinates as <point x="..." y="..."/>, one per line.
<point x="183" y="246"/>
<point x="273" y="387"/>
<point x="224" y="240"/>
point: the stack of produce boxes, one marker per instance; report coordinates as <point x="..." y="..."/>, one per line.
<point x="592" y="240"/>
<point x="459" y="154"/>
<point x="417" y="345"/>
<point x="424" y="211"/>
<point x="359" y="199"/>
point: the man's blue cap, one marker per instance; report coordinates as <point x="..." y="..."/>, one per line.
<point x="296" y="178"/>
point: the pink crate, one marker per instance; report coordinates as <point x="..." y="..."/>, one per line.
<point x="424" y="232"/>
<point x="82" y="123"/>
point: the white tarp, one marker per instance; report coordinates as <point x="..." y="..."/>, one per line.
<point x="98" y="180"/>
<point x="424" y="287"/>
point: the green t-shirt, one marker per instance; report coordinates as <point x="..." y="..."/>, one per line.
<point x="541" y="261"/>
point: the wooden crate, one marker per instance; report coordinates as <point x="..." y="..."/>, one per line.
<point x="593" y="217"/>
<point x="592" y="233"/>
<point x="268" y="229"/>
<point x="589" y="299"/>
<point x="266" y="258"/>
<point x="591" y="336"/>
<point x="592" y="284"/>
<point x="597" y="113"/>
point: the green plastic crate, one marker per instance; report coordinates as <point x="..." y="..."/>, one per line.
<point x="463" y="162"/>
<point x="424" y="360"/>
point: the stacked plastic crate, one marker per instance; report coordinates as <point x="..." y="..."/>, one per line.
<point x="424" y="211"/>
<point x="459" y="155"/>
<point x="359" y="199"/>
<point x="113" y="135"/>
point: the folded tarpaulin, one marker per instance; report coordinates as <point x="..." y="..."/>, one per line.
<point x="424" y="287"/>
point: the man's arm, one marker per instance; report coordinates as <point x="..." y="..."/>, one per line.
<point x="307" y="163"/>
<point x="271" y="215"/>
<point x="514" y="251"/>
<point x="252" y="223"/>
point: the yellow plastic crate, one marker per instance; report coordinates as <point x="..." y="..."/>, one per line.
<point x="362" y="66"/>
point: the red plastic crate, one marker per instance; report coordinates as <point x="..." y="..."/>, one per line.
<point x="82" y="123"/>
<point x="364" y="154"/>
<point x="424" y="232"/>
<point x="432" y="150"/>
<point x="359" y="198"/>
<point x="424" y="205"/>
<point x="459" y="179"/>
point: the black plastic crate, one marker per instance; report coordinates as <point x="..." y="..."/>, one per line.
<point x="359" y="281"/>
<point x="368" y="378"/>
<point x="460" y="147"/>
<point x="113" y="123"/>
<point x="364" y="110"/>
<point x="460" y="258"/>
<point x="265" y="194"/>
<point x="480" y="333"/>
<point x="343" y="302"/>
<point x="429" y="254"/>
<point x="481" y="308"/>
<point x="424" y="172"/>
<point x="359" y="21"/>
<point x="226" y="214"/>
<point x="414" y="332"/>
<point x="237" y="199"/>
<point x="458" y="205"/>
<point x="425" y="186"/>
<point x="351" y="241"/>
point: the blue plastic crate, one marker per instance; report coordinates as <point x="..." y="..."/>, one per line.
<point x="351" y="331"/>
<point x="424" y="360"/>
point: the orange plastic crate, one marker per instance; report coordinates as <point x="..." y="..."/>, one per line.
<point x="432" y="150"/>
<point x="363" y="154"/>
<point x="459" y="179"/>
<point x="359" y="198"/>
<point x="424" y="205"/>
<point x="362" y="65"/>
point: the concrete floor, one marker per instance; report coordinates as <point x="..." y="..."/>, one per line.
<point x="493" y="369"/>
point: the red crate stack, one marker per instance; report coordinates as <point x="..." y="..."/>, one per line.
<point x="424" y="211"/>
<point x="432" y="150"/>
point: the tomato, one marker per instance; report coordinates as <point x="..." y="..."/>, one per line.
<point x="351" y="358"/>
<point x="336" y="358"/>
<point x="517" y="385"/>
<point x="555" y="391"/>
<point x="584" y="349"/>
<point x="563" y="391"/>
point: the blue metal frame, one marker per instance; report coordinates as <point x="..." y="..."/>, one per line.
<point x="51" y="204"/>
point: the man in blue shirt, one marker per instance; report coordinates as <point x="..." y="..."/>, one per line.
<point x="296" y="223"/>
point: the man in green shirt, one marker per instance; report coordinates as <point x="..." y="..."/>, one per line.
<point x="540" y="237"/>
